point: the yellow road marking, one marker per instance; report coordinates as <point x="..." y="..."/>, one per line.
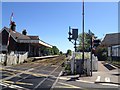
<point x="23" y="83"/>
<point x="11" y="73"/>
<point x="2" y="69"/>
<point x="34" y="74"/>
<point x="11" y="82"/>
<point x="27" y="72"/>
<point x="13" y="86"/>
<point x="6" y="75"/>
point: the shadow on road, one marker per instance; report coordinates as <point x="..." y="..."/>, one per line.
<point x="109" y="67"/>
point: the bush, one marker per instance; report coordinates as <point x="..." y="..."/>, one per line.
<point x="67" y="69"/>
<point x="101" y="53"/>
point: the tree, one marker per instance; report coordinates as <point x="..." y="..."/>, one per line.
<point x="101" y="53"/>
<point x="55" y="50"/>
<point x="86" y="42"/>
<point x="46" y="51"/>
<point x="69" y="52"/>
<point x="61" y="52"/>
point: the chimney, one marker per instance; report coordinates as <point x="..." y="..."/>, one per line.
<point x="13" y="26"/>
<point x="24" y="32"/>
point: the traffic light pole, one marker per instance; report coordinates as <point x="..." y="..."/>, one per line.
<point x="91" y="55"/>
<point x="74" y="37"/>
<point x="75" y="46"/>
<point x="75" y="56"/>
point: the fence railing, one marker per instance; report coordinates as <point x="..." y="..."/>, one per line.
<point x="13" y="59"/>
<point x="76" y="62"/>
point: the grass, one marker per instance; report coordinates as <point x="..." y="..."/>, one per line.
<point x="79" y="55"/>
<point x="116" y="62"/>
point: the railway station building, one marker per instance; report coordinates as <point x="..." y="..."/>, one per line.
<point x="112" y="42"/>
<point x="13" y="41"/>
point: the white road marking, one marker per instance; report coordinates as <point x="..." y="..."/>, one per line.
<point x="16" y="75"/>
<point x="85" y="81"/>
<point x="108" y="84"/>
<point x="22" y="72"/>
<point x="64" y="78"/>
<point x="68" y="85"/>
<point x="45" y="78"/>
<point x="107" y="79"/>
<point x="56" y="80"/>
<point x="98" y="79"/>
<point x="62" y="87"/>
<point x="11" y="82"/>
<point x="13" y="86"/>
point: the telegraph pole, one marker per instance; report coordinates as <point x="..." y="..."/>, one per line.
<point x="83" y="31"/>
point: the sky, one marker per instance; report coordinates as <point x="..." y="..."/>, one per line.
<point x="51" y="20"/>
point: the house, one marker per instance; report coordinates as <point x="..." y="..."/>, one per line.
<point x="112" y="42"/>
<point x="11" y="40"/>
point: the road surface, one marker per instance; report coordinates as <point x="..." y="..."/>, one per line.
<point x="43" y="74"/>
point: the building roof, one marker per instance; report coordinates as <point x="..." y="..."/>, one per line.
<point x="17" y="35"/>
<point x="45" y="44"/>
<point x="20" y="38"/>
<point x="34" y="37"/>
<point x="111" y="39"/>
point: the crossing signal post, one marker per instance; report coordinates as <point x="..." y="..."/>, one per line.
<point x="91" y="47"/>
<point x="73" y="36"/>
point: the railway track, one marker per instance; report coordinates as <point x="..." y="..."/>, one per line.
<point x="33" y="75"/>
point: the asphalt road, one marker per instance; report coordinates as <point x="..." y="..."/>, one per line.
<point x="42" y="74"/>
<point x="34" y="75"/>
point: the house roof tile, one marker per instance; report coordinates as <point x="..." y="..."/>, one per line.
<point x="111" y="39"/>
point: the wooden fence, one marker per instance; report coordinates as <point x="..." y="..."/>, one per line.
<point x="13" y="59"/>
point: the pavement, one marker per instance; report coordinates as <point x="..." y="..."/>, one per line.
<point x="105" y="76"/>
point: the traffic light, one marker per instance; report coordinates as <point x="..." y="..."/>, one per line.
<point x="70" y="34"/>
<point x="74" y="34"/>
<point x="96" y="43"/>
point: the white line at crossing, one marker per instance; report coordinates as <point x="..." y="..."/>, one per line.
<point x="98" y="79"/>
<point x="107" y="79"/>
